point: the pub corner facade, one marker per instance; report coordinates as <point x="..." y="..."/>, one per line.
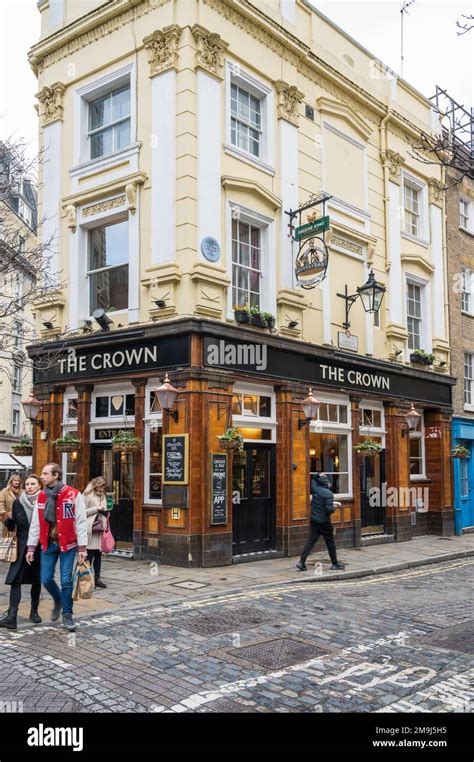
<point x="170" y="168"/>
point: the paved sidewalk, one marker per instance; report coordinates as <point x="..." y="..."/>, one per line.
<point x="132" y="583"/>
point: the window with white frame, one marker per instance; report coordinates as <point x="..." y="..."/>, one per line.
<point x="16" y="422"/>
<point x="464" y="213"/>
<point x="468" y="379"/>
<point x="330" y="445"/>
<point x="108" y="260"/>
<point x="464" y="477"/>
<point x="417" y="452"/>
<point x="249" y="116"/>
<point x="109" y="121"/>
<point x="466" y="293"/>
<point x="153" y="472"/>
<point x="371" y="417"/>
<point x="246" y="264"/>
<point x="414" y="315"/>
<point x="412" y="208"/>
<point x="17" y="334"/>
<point x="114" y="405"/>
<point x="254" y="412"/>
<point x="16" y="381"/>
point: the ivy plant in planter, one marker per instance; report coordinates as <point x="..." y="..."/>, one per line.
<point x="23" y="447"/>
<point x="368" y="448"/>
<point x="421" y="357"/>
<point x="256" y="318"/>
<point x="231" y="439"/>
<point x="459" y="451"/>
<point x="269" y="319"/>
<point x="67" y="443"/>
<point x="125" y="441"/>
<point x="241" y="313"/>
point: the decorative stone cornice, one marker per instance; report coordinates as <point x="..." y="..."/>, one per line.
<point x="289" y="98"/>
<point x="103" y="206"/>
<point x="436" y="190"/>
<point x="394" y="162"/>
<point x="51" y="100"/>
<point x="210" y="51"/>
<point x="162" y="47"/>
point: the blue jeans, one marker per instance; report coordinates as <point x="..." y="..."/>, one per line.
<point x="49" y="560"/>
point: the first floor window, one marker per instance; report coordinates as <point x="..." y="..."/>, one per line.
<point x="17" y="378"/>
<point x="109" y="122"/>
<point x="329" y="454"/>
<point x="16" y="423"/>
<point x="464" y="465"/>
<point x="466" y="295"/>
<point x="108" y="267"/>
<point x="246" y="264"/>
<point x="468" y="379"/>
<point x="246" y="120"/>
<point x="464" y="213"/>
<point x="155" y="477"/>
<point x="414" y="315"/>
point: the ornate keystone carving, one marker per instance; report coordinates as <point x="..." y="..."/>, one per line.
<point x="436" y="191"/>
<point x="71" y="214"/>
<point x="210" y="50"/>
<point x="289" y="99"/>
<point x="394" y="162"/>
<point x="51" y="100"/>
<point x="162" y="47"/>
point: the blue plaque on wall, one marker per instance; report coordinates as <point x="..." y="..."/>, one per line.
<point x="210" y="248"/>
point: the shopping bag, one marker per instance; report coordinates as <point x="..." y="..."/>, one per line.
<point x="107" y="542"/>
<point x="9" y="547"/>
<point x="83" y="581"/>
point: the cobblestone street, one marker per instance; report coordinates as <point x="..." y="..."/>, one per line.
<point x="399" y="642"/>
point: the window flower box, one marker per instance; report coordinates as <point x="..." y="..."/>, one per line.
<point x="241" y="313"/>
<point x="256" y="318"/>
<point x="420" y="357"/>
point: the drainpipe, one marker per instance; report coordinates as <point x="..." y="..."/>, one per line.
<point x="445" y="263"/>
<point x="386" y="199"/>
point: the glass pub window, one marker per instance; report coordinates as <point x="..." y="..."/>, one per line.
<point x="329" y="455"/>
<point x="108" y="267"/>
<point x="115" y="404"/>
<point x="332" y="412"/>
<point x="156" y="464"/>
<point x="252" y="405"/>
<point x="109" y="122"/>
<point x="370" y="417"/>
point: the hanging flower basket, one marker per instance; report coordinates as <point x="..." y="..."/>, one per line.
<point x="67" y="443"/>
<point x="22" y="449"/>
<point x="460" y="452"/>
<point x="368" y="448"/>
<point x="231" y="439"/>
<point x="126" y="442"/>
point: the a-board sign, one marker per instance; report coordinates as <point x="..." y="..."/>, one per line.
<point x="218" y="483"/>
<point x="175" y="457"/>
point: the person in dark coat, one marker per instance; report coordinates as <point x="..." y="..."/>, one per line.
<point x="322" y="505"/>
<point x="21" y="573"/>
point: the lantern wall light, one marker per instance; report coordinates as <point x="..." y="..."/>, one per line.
<point x="412" y="419"/>
<point x="31" y="407"/>
<point x="371" y="295"/>
<point x="310" y="407"/>
<point x="166" y="394"/>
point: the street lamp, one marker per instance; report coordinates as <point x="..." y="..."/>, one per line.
<point x="413" y="419"/>
<point x="310" y="407"/>
<point x="167" y="394"/>
<point x="371" y="295"/>
<point x="31" y="408"/>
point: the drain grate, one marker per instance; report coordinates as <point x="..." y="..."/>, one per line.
<point x="459" y="637"/>
<point x="218" y="622"/>
<point x="189" y="584"/>
<point x="279" y="653"/>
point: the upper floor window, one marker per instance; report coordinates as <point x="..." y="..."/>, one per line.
<point x="246" y="120"/>
<point x="16" y="423"/>
<point x="249" y="117"/>
<point x="466" y="294"/>
<point x="16" y="377"/>
<point x="17" y="334"/>
<point x="108" y="267"/>
<point x="414" y="315"/>
<point x="246" y="264"/>
<point x="109" y="122"/>
<point x="464" y="214"/>
<point x="411" y="209"/>
<point x="469" y="379"/>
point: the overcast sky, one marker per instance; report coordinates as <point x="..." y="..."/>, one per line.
<point x="434" y="54"/>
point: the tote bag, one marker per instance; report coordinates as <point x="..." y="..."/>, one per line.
<point x="9" y="547"/>
<point x="107" y="542"/>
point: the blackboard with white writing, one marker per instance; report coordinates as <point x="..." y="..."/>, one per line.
<point x="218" y="488"/>
<point x="175" y="451"/>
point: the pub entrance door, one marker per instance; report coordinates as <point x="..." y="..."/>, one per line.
<point x="372" y="475"/>
<point x="253" y="518"/>
<point x="117" y="470"/>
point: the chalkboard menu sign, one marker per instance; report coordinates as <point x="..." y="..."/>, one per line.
<point x="218" y="483"/>
<point x="175" y="455"/>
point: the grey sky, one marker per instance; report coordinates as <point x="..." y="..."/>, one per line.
<point x="434" y="54"/>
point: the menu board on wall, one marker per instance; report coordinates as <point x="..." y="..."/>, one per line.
<point x="175" y="457"/>
<point x="218" y="483"/>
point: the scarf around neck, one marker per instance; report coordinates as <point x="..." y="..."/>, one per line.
<point x="28" y="502"/>
<point x="50" y="508"/>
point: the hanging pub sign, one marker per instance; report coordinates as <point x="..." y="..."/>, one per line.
<point x="311" y="262"/>
<point x="218" y="483"/>
<point x="312" y="228"/>
<point x="175" y="457"/>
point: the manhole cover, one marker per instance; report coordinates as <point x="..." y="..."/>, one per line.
<point x="217" y="622"/>
<point x="459" y="637"/>
<point x="189" y="584"/>
<point x="279" y="653"/>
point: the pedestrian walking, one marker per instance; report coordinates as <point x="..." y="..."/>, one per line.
<point x="96" y="511"/>
<point x="59" y="522"/>
<point x="8" y="495"/>
<point x="20" y="573"/>
<point x="322" y="505"/>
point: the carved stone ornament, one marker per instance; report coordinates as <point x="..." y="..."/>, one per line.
<point x="131" y="194"/>
<point x="210" y="50"/>
<point x="103" y="206"/>
<point x="289" y="99"/>
<point x="436" y="191"/>
<point x="394" y="161"/>
<point x="51" y="100"/>
<point x="162" y="47"/>
<point x="71" y="214"/>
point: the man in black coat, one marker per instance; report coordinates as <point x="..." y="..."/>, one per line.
<point x="322" y="505"/>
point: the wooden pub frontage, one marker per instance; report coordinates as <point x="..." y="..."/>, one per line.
<point x="180" y="498"/>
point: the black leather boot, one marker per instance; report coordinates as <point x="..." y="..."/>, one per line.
<point x="9" y="621"/>
<point x="99" y="583"/>
<point x="34" y="616"/>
